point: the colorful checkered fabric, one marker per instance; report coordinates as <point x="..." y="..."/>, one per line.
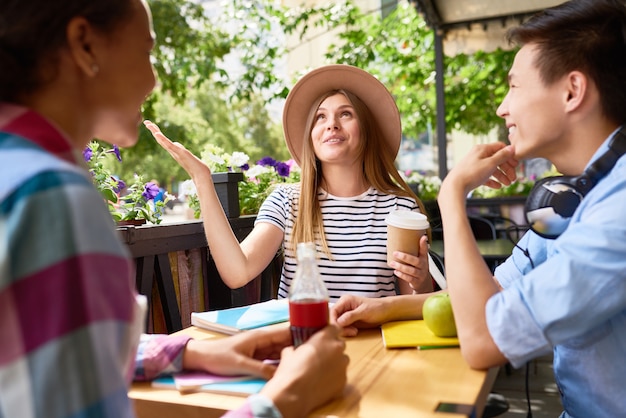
<point x="67" y="299"/>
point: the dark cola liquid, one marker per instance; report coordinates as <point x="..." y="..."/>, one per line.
<point x="306" y="318"/>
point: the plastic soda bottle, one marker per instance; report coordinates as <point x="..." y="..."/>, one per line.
<point x="308" y="297"/>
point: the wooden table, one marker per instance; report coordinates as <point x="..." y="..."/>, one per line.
<point x="381" y="383"/>
<point x="495" y="250"/>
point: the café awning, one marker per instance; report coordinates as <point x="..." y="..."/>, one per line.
<point x="467" y="26"/>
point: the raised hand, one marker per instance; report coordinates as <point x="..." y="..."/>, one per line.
<point x="490" y="164"/>
<point x="193" y="165"/>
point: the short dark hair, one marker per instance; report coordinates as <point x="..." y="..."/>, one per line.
<point x="584" y="35"/>
<point x="33" y="31"/>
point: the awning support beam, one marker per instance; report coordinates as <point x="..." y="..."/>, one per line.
<point x="442" y="140"/>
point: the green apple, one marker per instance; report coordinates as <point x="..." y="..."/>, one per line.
<point x="437" y="313"/>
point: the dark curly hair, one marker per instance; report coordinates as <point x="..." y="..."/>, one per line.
<point x="33" y="31"/>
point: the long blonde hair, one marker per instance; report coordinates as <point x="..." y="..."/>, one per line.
<point x="379" y="172"/>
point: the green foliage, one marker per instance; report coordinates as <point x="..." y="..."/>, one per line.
<point x="259" y="179"/>
<point x="138" y="202"/>
<point x="200" y="100"/>
<point x="126" y="201"/>
<point x="182" y="123"/>
<point x="475" y="85"/>
<point x="427" y="186"/>
<point x="240" y="124"/>
<point x="189" y="46"/>
<point x="521" y="187"/>
<point x="399" y="51"/>
<point x="255" y="29"/>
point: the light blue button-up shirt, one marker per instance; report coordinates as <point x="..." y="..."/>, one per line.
<point x="573" y="302"/>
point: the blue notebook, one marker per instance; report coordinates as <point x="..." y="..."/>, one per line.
<point x="234" y="320"/>
<point x="244" y="386"/>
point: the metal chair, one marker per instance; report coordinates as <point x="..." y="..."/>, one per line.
<point x="437" y="270"/>
<point x="482" y="228"/>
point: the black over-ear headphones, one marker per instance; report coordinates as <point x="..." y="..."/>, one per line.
<point x="553" y="200"/>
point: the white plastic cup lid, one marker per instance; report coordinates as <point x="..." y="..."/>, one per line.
<point x="407" y="219"/>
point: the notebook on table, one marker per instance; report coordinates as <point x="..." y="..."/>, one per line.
<point x="414" y="333"/>
<point x="189" y="382"/>
<point x="234" y="320"/>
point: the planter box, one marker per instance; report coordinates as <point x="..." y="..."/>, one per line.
<point x="510" y="208"/>
<point x="175" y="270"/>
<point x="227" y="188"/>
<point x="496" y="201"/>
<point x="432" y="211"/>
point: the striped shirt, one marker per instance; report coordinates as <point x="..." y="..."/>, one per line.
<point x="356" y="234"/>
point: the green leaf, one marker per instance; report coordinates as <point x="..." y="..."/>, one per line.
<point x="110" y="195"/>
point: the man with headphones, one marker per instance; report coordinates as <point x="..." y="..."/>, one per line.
<point x="564" y="287"/>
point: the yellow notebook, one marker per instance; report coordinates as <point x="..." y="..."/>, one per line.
<point x="414" y="333"/>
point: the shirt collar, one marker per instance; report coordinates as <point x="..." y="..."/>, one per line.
<point x="32" y="126"/>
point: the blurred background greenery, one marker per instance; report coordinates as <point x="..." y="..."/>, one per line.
<point x="220" y="75"/>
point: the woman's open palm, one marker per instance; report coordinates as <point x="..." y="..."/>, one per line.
<point x="193" y="165"/>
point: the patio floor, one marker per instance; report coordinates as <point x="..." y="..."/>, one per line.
<point x="544" y="394"/>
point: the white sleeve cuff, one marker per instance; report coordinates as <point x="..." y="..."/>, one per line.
<point x="263" y="407"/>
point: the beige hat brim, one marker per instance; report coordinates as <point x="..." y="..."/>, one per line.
<point x="365" y="86"/>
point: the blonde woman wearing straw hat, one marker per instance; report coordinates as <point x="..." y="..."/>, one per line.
<point x="342" y="127"/>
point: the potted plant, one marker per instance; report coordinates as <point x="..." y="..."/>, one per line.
<point x="253" y="183"/>
<point x="129" y="203"/>
<point x="426" y="188"/>
<point x="507" y="202"/>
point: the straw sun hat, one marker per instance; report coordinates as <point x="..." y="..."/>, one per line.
<point x="365" y="86"/>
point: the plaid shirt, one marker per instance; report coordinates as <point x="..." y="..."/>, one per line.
<point x="68" y="315"/>
<point x="66" y="290"/>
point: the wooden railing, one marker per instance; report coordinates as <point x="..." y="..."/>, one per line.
<point x="174" y="269"/>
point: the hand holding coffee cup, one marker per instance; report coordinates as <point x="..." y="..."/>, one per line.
<point x="404" y="230"/>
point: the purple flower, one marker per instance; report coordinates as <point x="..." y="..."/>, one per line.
<point x="150" y="191"/>
<point x="267" y="161"/>
<point x="87" y="154"/>
<point x="245" y="167"/>
<point x="291" y="163"/>
<point x="116" y="151"/>
<point x="120" y="186"/>
<point x="282" y="169"/>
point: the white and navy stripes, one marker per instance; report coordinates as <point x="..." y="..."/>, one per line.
<point x="356" y="234"/>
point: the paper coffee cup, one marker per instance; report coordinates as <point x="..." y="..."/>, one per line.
<point x="404" y="230"/>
